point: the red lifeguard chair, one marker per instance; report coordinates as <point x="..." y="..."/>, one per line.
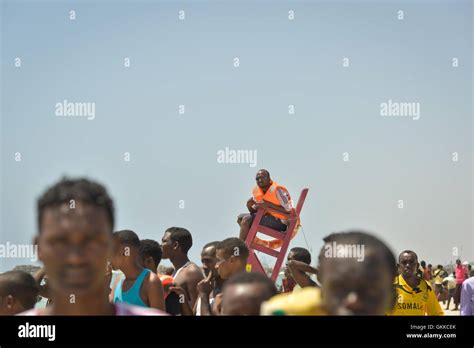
<point x="293" y="218"/>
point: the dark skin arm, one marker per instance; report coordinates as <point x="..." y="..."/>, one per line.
<point x="250" y="204"/>
<point x="204" y="288"/>
<point x="298" y="272"/>
<point x="155" y="294"/>
<point x="217" y="307"/>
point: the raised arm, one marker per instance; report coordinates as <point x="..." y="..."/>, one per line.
<point x="298" y="272"/>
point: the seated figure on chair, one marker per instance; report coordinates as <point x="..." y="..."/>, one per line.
<point x="267" y="194"/>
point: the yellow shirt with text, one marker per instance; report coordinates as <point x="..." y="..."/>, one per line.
<point x="415" y="301"/>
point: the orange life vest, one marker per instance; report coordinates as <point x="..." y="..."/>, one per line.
<point x="270" y="196"/>
<point x="166" y="282"/>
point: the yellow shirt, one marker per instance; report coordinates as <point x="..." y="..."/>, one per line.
<point x="306" y="301"/>
<point x="415" y="301"/>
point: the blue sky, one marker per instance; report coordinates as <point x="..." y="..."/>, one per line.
<point x="282" y="62"/>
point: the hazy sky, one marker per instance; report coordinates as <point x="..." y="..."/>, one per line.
<point x="282" y="62"/>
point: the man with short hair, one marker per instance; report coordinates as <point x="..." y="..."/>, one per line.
<point x="244" y="293"/>
<point x="150" y="254"/>
<point x="18" y="292"/>
<point x="211" y="285"/>
<point x="140" y="286"/>
<point x="231" y="258"/>
<point x="415" y="295"/>
<point x="267" y="193"/>
<point x="298" y="266"/>
<point x="75" y="224"/>
<point x="349" y="285"/>
<point x="176" y="243"/>
<point x="231" y="255"/>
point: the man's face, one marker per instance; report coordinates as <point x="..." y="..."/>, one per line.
<point x="224" y="265"/>
<point x="458" y="262"/>
<point x="263" y="180"/>
<point x="349" y="289"/>
<point x="408" y="264"/>
<point x="242" y="299"/>
<point x="208" y="259"/>
<point x="167" y="246"/>
<point x="74" y="245"/>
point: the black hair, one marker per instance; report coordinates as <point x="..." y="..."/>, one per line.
<point x="20" y="285"/>
<point x="422" y="263"/>
<point x="301" y="254"/>
<point x="254" y="278"/>
<point x="381" y="252"/>
<point x="149" y="247"/>
<point x="80" y="189"/>
<point x="210" y="244"/>
<point x="182" y="236"/>
<point x="234" y="247"/>
<point x="127" y="237"/>
<point x="411" y="252"/>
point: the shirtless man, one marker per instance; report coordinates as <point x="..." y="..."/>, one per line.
<point x="176" y="243"/>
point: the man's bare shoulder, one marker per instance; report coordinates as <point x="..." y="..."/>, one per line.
<point x="193" y="271"/>
<point x="153" y="278"/>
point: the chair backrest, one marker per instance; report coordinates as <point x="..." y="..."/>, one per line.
<point x="301" y="200"/>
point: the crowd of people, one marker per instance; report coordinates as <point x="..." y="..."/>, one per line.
<point x="88" y="269"/>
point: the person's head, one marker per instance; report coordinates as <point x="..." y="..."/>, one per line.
<point x="430" y="266"/>
<point x="231" y="255"/>
<point x="458" y="262"/>
<point x="208" y="259"/>
<point x="75" y="224"/>
<point x="439" y="267"/>
<point x="126" y="249"/>
<point x="423" y="264"/>
<point x="150" y="254"/>
<point x="176" y="241"/>
<point x="244" y="293"/>
<point x="18" y="292"/>
<point x="263" y="179"/>
<point x="408" y="264"/>
<point x="356" y="285"/>
<point x="299" y="254"/>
